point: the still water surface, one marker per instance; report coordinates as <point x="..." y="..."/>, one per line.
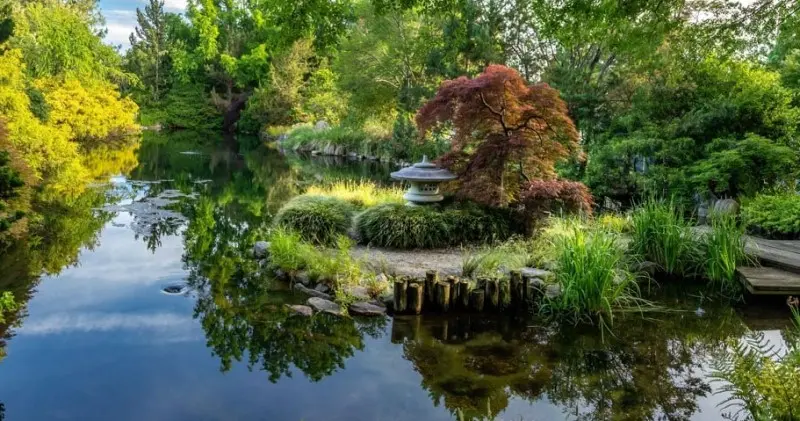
<point x="101" y="341"/>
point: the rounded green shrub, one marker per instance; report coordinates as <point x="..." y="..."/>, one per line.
<point x="773" y="215"/>
<point x="317" y="219"/>
<point x="409" y="227"/>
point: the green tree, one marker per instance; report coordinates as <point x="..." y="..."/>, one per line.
<point x="149" y="46"/>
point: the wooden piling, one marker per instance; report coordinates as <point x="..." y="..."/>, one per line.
<point x="492" y="294"/>
<point x="431" y="278"/>
<point x="463" y="295"/>
<point x="400" y="295"/>
<point x="476" y="300"/>
<point x="415" y="298"/>
<point x="504" y="295"/>
<point x="443" y="296"/>
<point x="453" y="281"/>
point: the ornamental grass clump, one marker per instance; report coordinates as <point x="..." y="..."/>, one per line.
<point x="363" y="193"/>
<point x="497" y="260"/>
<point x="591" y="269"/>
<point x="424" y="227"/>
<point x="663" y="236"/>
<point x="723" y="249"/>
<point x="405" y="227"/>
<point x="288" y="251"/>
<point x="316" y="219"/>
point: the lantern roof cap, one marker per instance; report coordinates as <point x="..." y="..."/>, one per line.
<point x="424" y="171"/>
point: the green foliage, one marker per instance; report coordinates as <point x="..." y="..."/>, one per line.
<point x="420" y="227"/>
<point x="723" y="251"/>
<point x="591" y="269"/>
<point x="497" y="260"/>
<point x="774" y="215"/>
<point x="7" y="305"/>
<point x="10" y="185"/>
<point x="288" y="252"/>
<point x="317" y="219"/>
<point x="614" y="223"/>
<point x="760" y="379"/>
<point x="663" y="236"/>
<point x="360" y="193"/>
<point x="183" y="107"/>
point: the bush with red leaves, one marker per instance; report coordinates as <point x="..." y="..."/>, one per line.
<point x="541" y="197"/>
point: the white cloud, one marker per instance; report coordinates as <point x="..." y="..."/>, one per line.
<point x="106" y="322"/>
<point x="175" y="5"/>
<point x="120" y="24"/>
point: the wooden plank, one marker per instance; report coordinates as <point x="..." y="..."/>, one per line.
<point x="770" y="281"/>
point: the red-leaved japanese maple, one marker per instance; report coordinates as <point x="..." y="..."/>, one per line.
<point x="505" y="132"/>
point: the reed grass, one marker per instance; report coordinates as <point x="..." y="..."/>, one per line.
<point x="590" y="267"/>
<point x="493" y="261"/>
<point x="663" y="236"/>
<point x="723" y="249"/>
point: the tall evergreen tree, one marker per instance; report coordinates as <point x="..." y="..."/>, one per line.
<point x="149" y="43"/>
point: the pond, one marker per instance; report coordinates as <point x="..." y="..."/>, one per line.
<point x="102" y="339"/>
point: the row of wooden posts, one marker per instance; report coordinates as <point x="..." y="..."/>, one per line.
<point x="413" y="296"/>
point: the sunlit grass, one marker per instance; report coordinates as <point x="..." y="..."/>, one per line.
<point x="361" y="193"/>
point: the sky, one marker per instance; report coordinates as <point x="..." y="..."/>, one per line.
<point x="121" y="17"/>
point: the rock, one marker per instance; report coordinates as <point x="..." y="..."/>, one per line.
<point x="302" y="277"/>
<point x="261" y="249"/>
<point x="339" y="151"/>
<point x="280" y="274"/>
<point x="263" y="263"/>
<point x="553" y="291"/>
<point x="308" y="291"/>
<point x="321" y="125"/>
<point x="315" y="152"/>
<point x="323" y="288"/>
<point x="352" y="155"/>
<point x="301" y="310"/>
<point x="326" y="306"/>
<point x="177" y="289"/>
<point x="529" y="273"/>
<point x="367" y="309"/>
<point x="359" y="293"/>
<point x="726" y="206"/>
<point x="387" y="298"/>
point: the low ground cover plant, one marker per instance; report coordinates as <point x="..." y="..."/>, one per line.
<point x="773" y="215"/>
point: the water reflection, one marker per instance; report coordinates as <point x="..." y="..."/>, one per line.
<point x="646" y="370"/>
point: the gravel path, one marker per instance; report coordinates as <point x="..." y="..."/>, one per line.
<point x="412" y="262"/>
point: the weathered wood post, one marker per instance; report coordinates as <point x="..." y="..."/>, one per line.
<point x="431" y="278"/>
<point x="463" y="295"/>
<point x="415" y="298"/>
<point x="443" y="296"/>
<point x="476" y="300"/>
<point x="400" y="295"/>
<point x="453" y="281"/>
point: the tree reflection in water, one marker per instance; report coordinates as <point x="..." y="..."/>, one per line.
<point x="646" y="370"/>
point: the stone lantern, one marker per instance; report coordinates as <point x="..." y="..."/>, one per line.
<point x="424" y="178"/>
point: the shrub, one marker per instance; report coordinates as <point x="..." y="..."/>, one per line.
<point x="723" y="251"/>
<point x="407" y="227"/>
<point x="773" y="215"/>
<point x="590" y="268"/>
<point x="662" y="236"/>
<point x="361" y="193"/>
<point x="334" y="267"/>
<point x="317" y="219"/>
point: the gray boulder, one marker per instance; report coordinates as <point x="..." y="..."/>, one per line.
<point x="314" y="293"/>
<point x="302" y="277"/>
<point x="323" y="288"/>
<point x="261" y="249"/>
<point x="367" y="309"/>
<point x="301" y="310"/>
<point x="359" y="293"/>
<point x="325" y="306"/>
<point x="726" y="206"/>
<point x="529" y="273"/>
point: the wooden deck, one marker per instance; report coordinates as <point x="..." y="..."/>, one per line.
<point x="780" y="274"/>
